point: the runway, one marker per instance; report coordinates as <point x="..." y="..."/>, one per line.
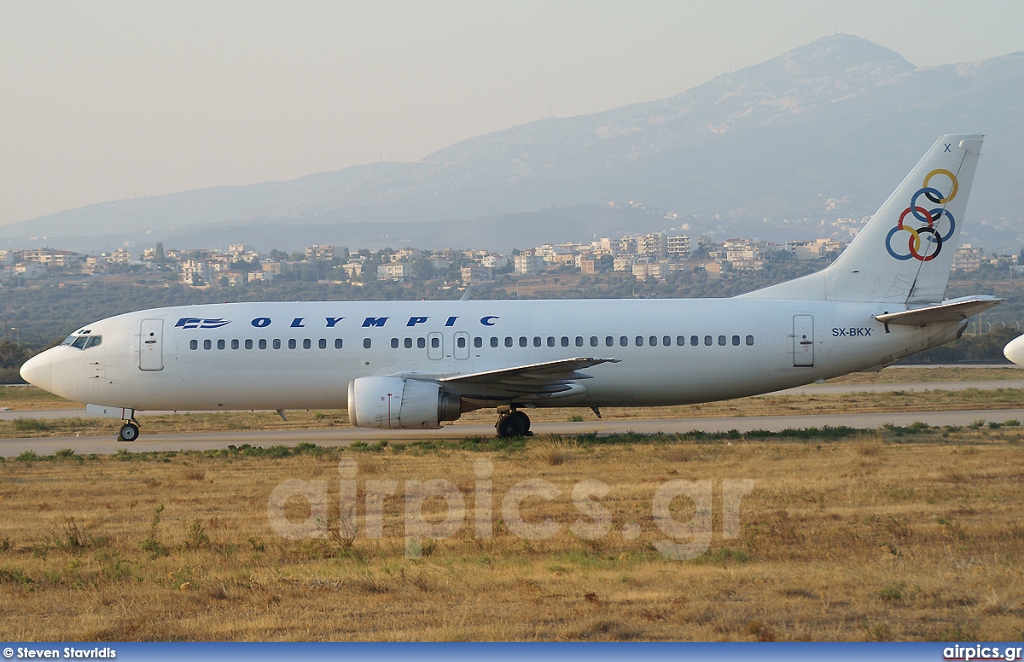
<point x="346" y="436"/>
<point x="809" y="389"/>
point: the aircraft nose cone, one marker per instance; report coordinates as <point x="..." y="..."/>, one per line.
<point x="1014" y="351"/>
<point x="38" y="371"/>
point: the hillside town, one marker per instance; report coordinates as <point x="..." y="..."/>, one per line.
<point x="649" y="256"/>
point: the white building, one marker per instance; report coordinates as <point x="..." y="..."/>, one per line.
<point x="528" y="263"/>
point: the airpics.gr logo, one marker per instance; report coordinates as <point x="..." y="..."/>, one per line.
<point x="201" y="323"/>
<point x="930" y="217"/>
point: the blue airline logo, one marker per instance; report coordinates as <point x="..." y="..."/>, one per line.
<point x="329" y="322"/>
<point x="201" y="323"/>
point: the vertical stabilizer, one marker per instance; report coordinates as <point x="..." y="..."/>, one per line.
<point x="905" y="252"/>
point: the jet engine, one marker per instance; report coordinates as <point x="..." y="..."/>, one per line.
<point x="395" y="403"/>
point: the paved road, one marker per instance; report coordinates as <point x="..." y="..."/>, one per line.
<point x="345" y="436"/>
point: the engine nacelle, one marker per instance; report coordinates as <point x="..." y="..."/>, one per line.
<point x="395" y="403"/>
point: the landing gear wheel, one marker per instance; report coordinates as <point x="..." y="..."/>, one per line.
<point x="129" y="432"/>
<point x="514" y="424"/>
<point x="526" y="422"/>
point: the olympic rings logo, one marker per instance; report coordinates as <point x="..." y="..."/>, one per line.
<point x="930" y="217"/>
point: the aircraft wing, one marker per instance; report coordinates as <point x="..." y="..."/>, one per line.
<point x="547" y="380"/>
<point x="954" y="310"/>
<point x="564" y="369"/>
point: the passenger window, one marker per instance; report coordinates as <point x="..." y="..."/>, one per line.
<point x="494" y="341"/>
<point x="478" y="342"/>
<point x="394" y="343"/>
<point x="248" y="343"/>
<point x="750" y="340"/>
<point x="694" y="341"/>
<point x="593" y="341"/>
<point x="667" y="341"/>
<point x="551" y="341"/>
<point x="736" y="341"/>
<point x="579" y="341"/>
<point x="291" y="343"/>
<point x="653" y="340"/>
<point x="536" y="341"/>
<point x="721" y="340"/>
<point x="366" y="343"/>
<point x="639" y="341"/>
<point x="709" y="341"/>
<point x="277" y="343"/>
<point x="263" y="343"/>
<point x="522" y="341"/>
<point x="609" y="341"/>
<point x="564" y="341"/>
<point x="322" y="344"/>
<point x="508" y="341"/>
<point x="93" y="341"/>
<point x="207" y="344"/>
<point x="307" y="343"/>
<point x="234" y="344"/>
<point x="460" y="342"/>
<point x="435" y="342"/>
<point x="221" y="344"/>
<point x="337" y="343"/>
<point x="408" y="343"/>
<point x="680" y="340"/>
<point x="624" y="341"/>
<point x="421" y="343"/>
<point x="193" y="344"/>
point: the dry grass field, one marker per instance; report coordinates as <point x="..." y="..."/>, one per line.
<point x="899" y="534"/>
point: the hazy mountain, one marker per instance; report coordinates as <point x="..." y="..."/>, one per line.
<point x="840" y="118"/>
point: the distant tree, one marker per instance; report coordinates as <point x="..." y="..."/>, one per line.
<point x="159" y="256"/>
<point x="12" y="355"/>
<point x="278" y="256"/>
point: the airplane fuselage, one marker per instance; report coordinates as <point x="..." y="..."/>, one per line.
<point x="303" y="355"/>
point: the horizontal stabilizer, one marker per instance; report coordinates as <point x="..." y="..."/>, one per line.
<point x="954" y="310"/>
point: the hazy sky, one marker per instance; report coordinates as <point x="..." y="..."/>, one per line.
<point x="108" y="100"/>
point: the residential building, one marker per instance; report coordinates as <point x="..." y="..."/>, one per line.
<point x="393" y="271"/>
<point x="477" y="274"/>
<point x="193" y="272"/>
<point x="528" y="263"/>
<point x="968" y="258"/>
<point x="407" y="255"/>
<point x="654" y="245"/>
<point x="494" y="261"/>
<point x="677" y="246"/>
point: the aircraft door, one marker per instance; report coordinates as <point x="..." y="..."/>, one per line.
<point x="803" y="341"/>
<point x="151" y="345"/>
<point x="461" y="349"/>
<point x="435" y="346"/>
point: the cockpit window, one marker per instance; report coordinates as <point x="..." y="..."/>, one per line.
<point x="83" y="342"/>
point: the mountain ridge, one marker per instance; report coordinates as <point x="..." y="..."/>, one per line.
<point x="839" y="118"/>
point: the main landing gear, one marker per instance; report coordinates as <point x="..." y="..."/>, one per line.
<point x="129" y="431"/>
<point x="513" y="424"/>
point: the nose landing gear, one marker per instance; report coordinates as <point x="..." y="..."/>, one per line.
<point x="129" y="431"/>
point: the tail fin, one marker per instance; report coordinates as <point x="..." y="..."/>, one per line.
<point x="905" y="252"/>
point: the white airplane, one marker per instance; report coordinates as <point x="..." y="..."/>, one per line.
<point x="1014" y="350"/>
<point x="417" y="364"/>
